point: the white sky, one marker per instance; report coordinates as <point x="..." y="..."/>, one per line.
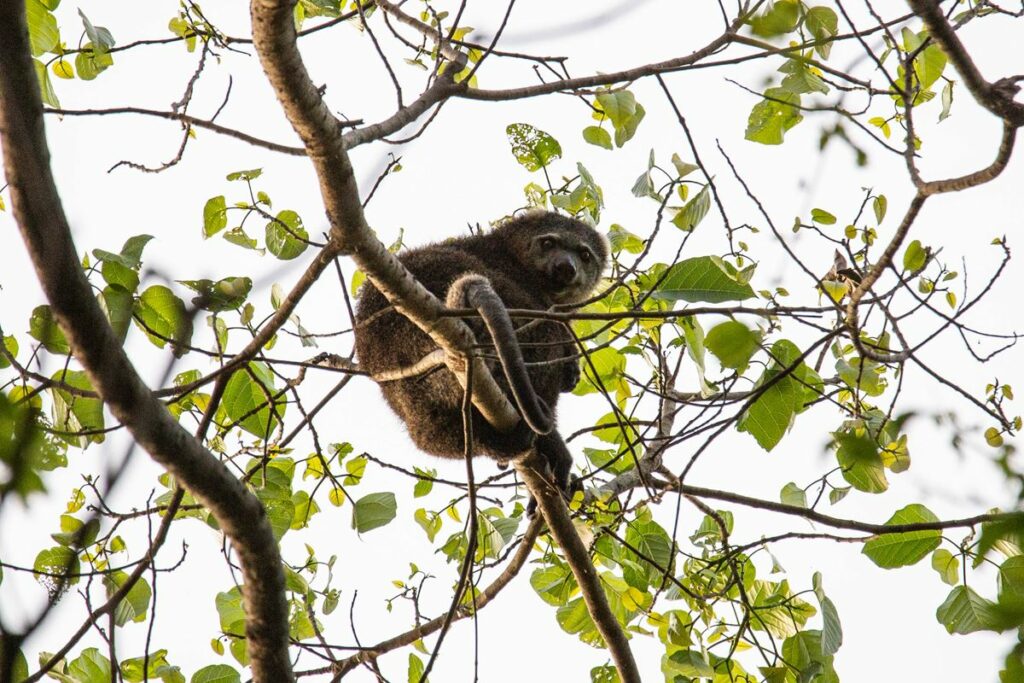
<point x="461" y="171"/>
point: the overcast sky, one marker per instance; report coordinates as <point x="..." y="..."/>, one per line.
<point x="461" y="172"/>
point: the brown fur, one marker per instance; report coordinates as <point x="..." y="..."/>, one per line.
<point x="521" y="273"/>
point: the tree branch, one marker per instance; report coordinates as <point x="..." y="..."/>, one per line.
<point x="532" y="469"/>
<point x="187" y="120"/>
<point x="44" y="227"/>
<point x="274" y="39"/>
<point x="486" y="596"/>
<point x="996" y="97"/>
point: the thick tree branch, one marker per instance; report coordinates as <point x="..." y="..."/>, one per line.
<point x="549" y="500"/>
<point x="996" y="97"/>
<point x="40" y="216"/>
<point x="274" y="39"/>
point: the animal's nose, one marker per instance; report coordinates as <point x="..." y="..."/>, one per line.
<point x="564" y="271"/>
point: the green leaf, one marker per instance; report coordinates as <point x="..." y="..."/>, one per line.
<point x="19" y="670"/>
<point x="1004" y="535"/>
<point x="780" y="17"/>
<point x="929" y="65"/>
<point x="947" y="565"/>
<point x="879" y="204"/>
<point x="158" y="668"/>
<point x="117" y="275"/>
<point x="429" y="522"/>
<point x="42" y="326"/>
<point x="690" y="216"/>
<point x="621" y="239"/>
<point x="247" y="400"/>
<point x="73" y="413"/>
<point x="277" y="501"/>
<point x="644" y="187"/>
<point x="772" y="117"/>
<point x="416" y="669"/>
<point x="915" y="257"/>
<point x="118" y="303"/>
<point x="947" y="101"/>
<point x="573" y="617"/>
<point x="75" y="533"/>
<point x="533" y="148"/>
<point x="779" y="611"/>
<point x="423" y="486"/>
<point x="92" y="61"/>
<point x="251" y="174"/>
<point x="831" y="630"/>
<point x="239" y="237"/>
<point x="98" y="35"/>
<point x="305" y="507"/>
<point x="701" y="279"/>
<point x="792" y="494"/>
<point x="802" y="78"/>
<point x="26" y="446"/>
<point x="733" y="344"/>
<point x="822" y="216"/>
<point x="226" y="294"/>
<point x="1011" y="578"/>
<point x="43" y="34"/>
<point x="863" y="374"/>
<point x="46" y="91"/>
<point x="610" y="364"/>
<point x="823" y="24"/>
<point x="10" y="345"/>
<point x="804" y="656"/>
<point x="900" y="550"/>
<point x="604" y="674"/>
<point x="373" y="510"/>
<point x="964" y="611"/>
<point x="993" y="437"/>
<point x="216" y="673"/>
<point x="770" y="416"/>
<point x="654" y="544"/>
<point x="689" y="663"/>
<point x="861" y="462"/>
<point x="161" y="315"/>
<point x="134" y="605"/>
<point x="623" y="111"/>
<point x="683" y="168"/>
<point x="231" y="612"/>
<point x="130" y="255"/>
<point x="595" y="135"/>
<point x="555" y="584"/>
<point x="215" y="217"/>
<point x="53" y="563"/>
<point x="489" y="540"/>
<point x="286" y="238"/>
<point x="90" y="667"/>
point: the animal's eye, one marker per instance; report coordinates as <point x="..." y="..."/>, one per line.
<point x="547" y="243"/>
<point x="585" y="256"/>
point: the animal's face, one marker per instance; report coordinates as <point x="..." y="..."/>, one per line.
<point x="569" y="262"/>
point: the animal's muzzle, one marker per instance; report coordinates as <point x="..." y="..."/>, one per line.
<point x="563" y="271"/>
